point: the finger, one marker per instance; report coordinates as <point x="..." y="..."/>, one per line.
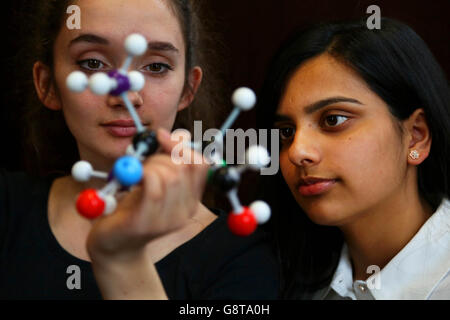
<point x="175" y="205"/>
<point x="179" y="147"/>
<point x="194" y="173"/>
<point x="179" y="180"/>
<point x="165" y="161"/>
<point x="154" y="187"/>
<point x="165" y="140"/>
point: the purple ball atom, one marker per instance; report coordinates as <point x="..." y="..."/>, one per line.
<point x="110" y="177"/>
<point x="123" y="83"/>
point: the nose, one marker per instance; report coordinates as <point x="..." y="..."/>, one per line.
<point x="304" y="150"/>
<point x="134" y="97"/>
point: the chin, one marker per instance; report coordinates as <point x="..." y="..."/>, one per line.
<point x="324" y="212"/>
<point x="117" y="149"/>
<point x="108" y="157"/>
<point x="324" y="219"/>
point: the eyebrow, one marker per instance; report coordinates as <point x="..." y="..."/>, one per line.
<point x="319" y="105"/>
<point x="91" y="38"/>
<point x="152" y="45"/>
<point x="162" y="46"/>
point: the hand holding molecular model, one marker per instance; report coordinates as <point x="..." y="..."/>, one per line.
<point x="128" y="170"/>
<point x="166" y="200"/>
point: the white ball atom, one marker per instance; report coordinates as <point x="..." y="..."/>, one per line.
<point x="135" y="44"/>
<point x="77" y="81"/>
<point x="137" y="80"/>
<point x="244" y="98"/>
<point x="100" y="83"/>
<point x="261" y="211"/>
<point x="82" y="171"/>
<point x="257" y="157"/>
<point x="110" y="204"/>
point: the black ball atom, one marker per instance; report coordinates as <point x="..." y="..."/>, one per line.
<point x="224" y="180"/>
<point x="149" y="139"/>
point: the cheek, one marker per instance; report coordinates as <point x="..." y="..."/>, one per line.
<point x="369" y="163"/>
<point x="79" y="105"/>
<point x="162" y="99"/>
<point x="161" y="103"/>
<point x="81" y="108"/>
<point x="170" y="85"/>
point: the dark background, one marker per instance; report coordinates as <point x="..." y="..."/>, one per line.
<point x="251" y="30"/>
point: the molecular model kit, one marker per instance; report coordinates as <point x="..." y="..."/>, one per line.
<point x="128" y="171"/>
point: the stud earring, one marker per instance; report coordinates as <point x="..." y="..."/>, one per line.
<point x="414" y="154"/>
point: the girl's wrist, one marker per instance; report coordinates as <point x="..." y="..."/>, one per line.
<point x="127" y="276"/>
<point x="117" y="258"/>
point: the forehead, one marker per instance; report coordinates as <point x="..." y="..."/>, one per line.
<point x="116" y="19"/>
<point x="319" y="78"/>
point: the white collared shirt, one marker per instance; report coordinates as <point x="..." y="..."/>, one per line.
<point x="420" y="271"/>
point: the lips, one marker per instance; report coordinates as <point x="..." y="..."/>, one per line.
<point x="121" y="128"/>
<point x="311" y="186"/>
<point x="120" y="123"/>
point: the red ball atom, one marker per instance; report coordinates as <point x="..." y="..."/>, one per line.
<point x="89" y="204"/>
<point x="242" y="224"/>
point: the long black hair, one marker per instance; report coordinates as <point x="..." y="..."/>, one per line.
<point x="397" y="65"/>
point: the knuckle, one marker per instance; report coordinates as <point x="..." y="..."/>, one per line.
<point x="172" y="179"/>
<point x="154" y="187"/>
<point x="182" y="169"/>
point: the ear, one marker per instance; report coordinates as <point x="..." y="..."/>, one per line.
<point x="419" y="136"/>
<point x="44" y="86"/>
<point x="195" y="78"/>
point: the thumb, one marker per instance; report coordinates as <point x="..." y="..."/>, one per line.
<point x="165" y="140"/>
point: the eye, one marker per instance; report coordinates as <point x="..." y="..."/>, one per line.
<point x="334" y="120"/>
<point x="158" y="68"/>
<point x="91" y="64"/>
<point x="286" y="133"/>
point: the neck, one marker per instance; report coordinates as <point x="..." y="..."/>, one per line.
<point x="63" y="197"/>
<point x="71" y="230"/>
<point x="379" y="234"/>
<point x="102" y="163"/>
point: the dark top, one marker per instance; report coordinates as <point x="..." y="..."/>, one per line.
<point x="213" y="265"/>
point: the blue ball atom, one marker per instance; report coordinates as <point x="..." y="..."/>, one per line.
<point x="128" y="170"/>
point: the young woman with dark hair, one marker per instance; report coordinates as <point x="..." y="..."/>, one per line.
<point x="160" y="242"/>
<point x="364" y="123"/>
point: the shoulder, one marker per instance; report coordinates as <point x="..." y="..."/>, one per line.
<point x="14" y="179"/>
<point x="20" y="186"/>
<point x="443" y="211"/>
<point x="18" y="193"/>
<point x="16" y="186"/>
<point x="437" y="227"/>
<point x="421" y="269"/>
